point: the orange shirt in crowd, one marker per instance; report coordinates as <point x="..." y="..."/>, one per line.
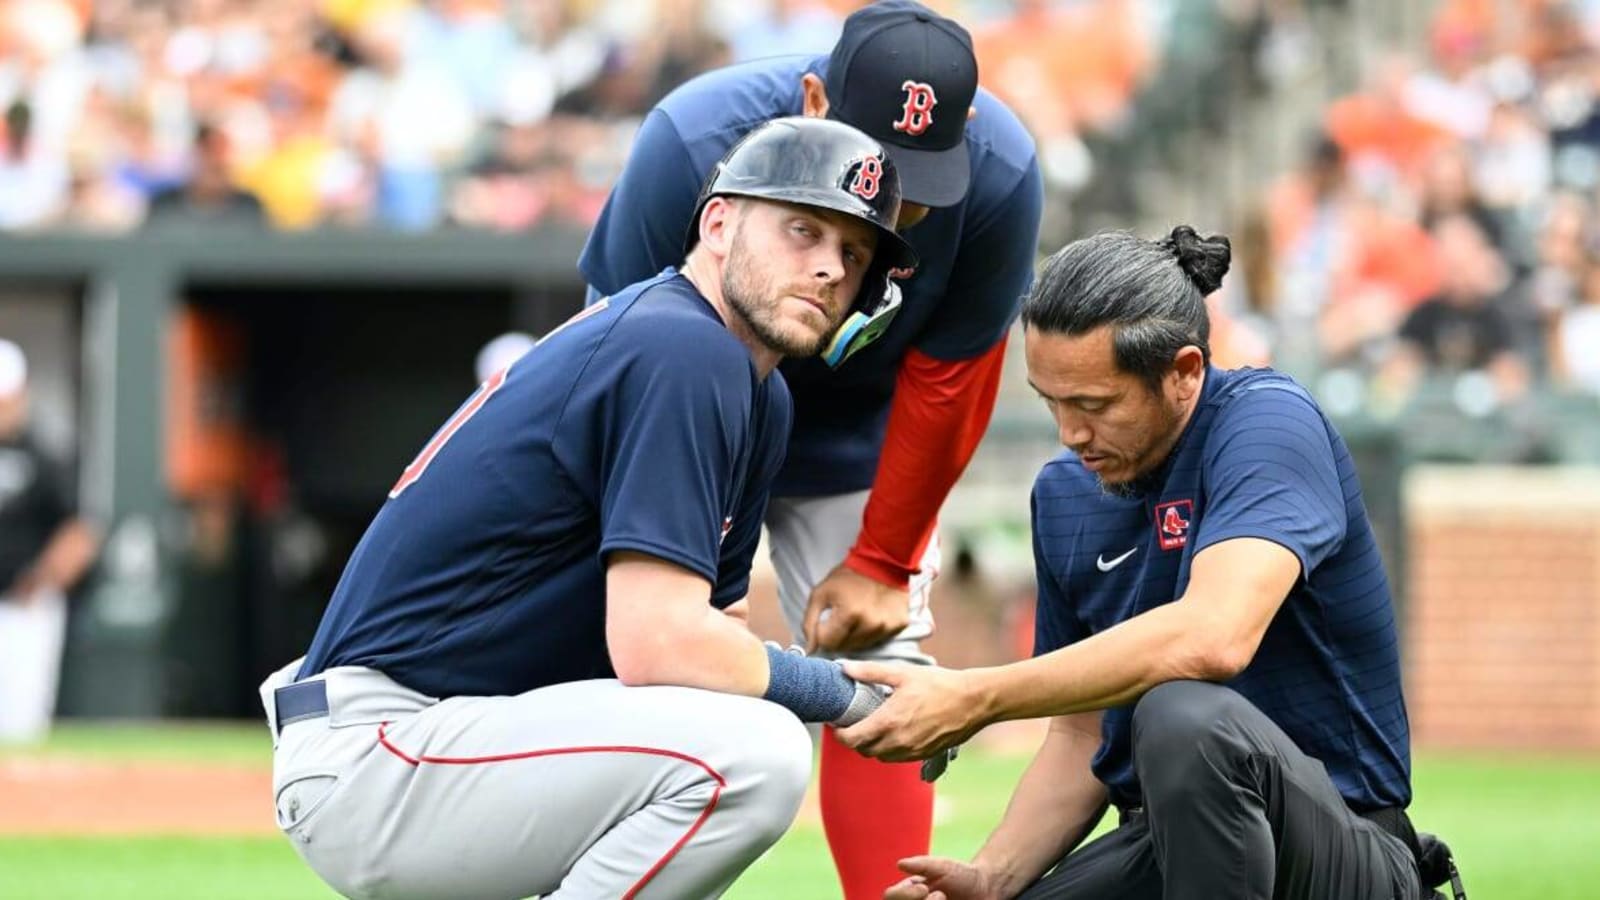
<point x="1366" y="125"/>
<point x="1023" y="61"/>
<point x="1375" y="247"/>
<point x="1391" y="251"/>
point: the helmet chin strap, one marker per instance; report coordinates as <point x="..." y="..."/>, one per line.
<point x="863" y="326"/>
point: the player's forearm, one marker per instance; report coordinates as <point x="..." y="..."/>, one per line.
<point x="69" y="553"/>
<point x="710" y="651"/>
<point x="662" y="630"/>
<point x="66" y="556"/>
<point x="1055" y="804"/>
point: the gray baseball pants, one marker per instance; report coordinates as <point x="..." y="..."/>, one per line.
<point x="808" y="536"/>
<point x="589" y="790"/>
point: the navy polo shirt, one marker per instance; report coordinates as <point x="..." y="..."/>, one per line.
<point x="1257" y="459"/>
<point x="639" y="425"/>
<point x="976" y="257"/>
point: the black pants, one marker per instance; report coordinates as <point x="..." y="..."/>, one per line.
<point x="1233" y="811"/>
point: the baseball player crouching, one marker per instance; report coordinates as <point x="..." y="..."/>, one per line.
<point x="524" y="683"/>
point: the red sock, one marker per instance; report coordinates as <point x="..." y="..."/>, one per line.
<point x="875" y="814"/>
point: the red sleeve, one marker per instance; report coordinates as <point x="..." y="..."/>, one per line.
<point x="939" y="413"/>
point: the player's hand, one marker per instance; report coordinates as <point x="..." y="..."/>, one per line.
<point x="938" y="878"/>
<point x="861" y="612"/>
<point x="25" y="590"/>
<point x="929" y="709"/>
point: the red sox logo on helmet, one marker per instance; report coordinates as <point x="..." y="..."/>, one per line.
<point x="917" y="114"/>
<point x="865" y="183"/>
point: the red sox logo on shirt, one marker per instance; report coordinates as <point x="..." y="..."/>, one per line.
<point x="868" y="173"/>
<point x="1172" y="523"/>
<point x="727" y="526"/>
<point x="917" y="114"/>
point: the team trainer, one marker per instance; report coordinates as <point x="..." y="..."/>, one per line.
<point x="1215" y="640"/>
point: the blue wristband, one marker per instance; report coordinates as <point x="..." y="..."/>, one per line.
<point x="816" y="690"/>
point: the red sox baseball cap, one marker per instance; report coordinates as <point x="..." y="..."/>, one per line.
<point x="906" y="75"/>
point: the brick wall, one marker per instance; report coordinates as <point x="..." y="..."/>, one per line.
<point x="1502" y="633"/>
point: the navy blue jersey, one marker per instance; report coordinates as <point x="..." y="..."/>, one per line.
<point x="976" y="257"/>
<point x="1257" y="459"/>
<point x="639" y="425"/>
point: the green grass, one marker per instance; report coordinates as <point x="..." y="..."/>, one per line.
<point x="1524" y="828"/>
<point x="177" y="742"/>
<point x="167" y="868"/>
<point x="1521" y="826"/>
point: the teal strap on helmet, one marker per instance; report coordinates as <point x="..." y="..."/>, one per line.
<point x="862" y="328"/>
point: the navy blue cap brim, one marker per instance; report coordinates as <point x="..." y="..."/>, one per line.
<point x="932" y="177"/>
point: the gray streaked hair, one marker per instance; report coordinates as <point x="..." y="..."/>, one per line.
<point x="1152" y="293"/>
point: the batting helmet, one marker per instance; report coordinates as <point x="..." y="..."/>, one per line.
<point x="831" y="165"/>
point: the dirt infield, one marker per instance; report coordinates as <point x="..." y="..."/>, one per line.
<point x="61" y="797"/>
<point x="82" y="797"/>
<point x="44" y="795"/>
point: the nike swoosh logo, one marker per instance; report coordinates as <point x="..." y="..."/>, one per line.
<point x="1101" y="564"/>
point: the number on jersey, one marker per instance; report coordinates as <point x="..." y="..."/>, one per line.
<point x="471" y="407"/>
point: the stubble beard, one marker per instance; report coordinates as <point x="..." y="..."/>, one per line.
<point x="755" y="300"/>
<point x="1147" y="478"/>
<point x="1132" y="489"/>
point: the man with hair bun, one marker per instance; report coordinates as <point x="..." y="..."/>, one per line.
<point x="1215" y="636"/>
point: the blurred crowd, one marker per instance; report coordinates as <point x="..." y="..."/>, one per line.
<point x="1443" y="221"/>
<point x="311" y="112"/>
<point x="412" y="114"/>
<point x="1441" y="231"/>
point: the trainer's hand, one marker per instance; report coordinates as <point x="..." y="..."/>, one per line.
<point x="938" y="878"/>
<point x="861" y="612"/>
<point x="928" y="710"/>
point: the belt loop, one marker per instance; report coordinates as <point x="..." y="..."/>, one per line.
<point x="300" y="701"/>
